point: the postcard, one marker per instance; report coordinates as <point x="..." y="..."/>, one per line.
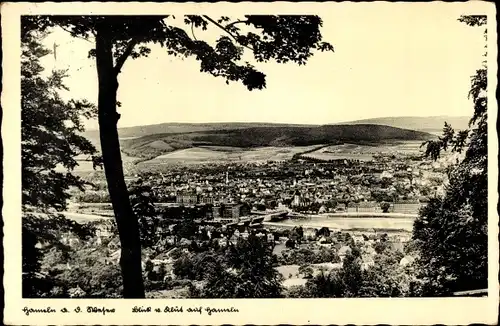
<point x="250" y="163"/>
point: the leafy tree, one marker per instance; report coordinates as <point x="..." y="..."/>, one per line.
<point x="281" y="38"/>
<point x="324" y="231"/>
<point x="246" y="270"/>
<point x="186" y="229"/>
<point x="306" y="271"/>
<point x="142" y="199"/>
<point x="451" y="232"/>
<point x="50" y="138"/>
<point x="290" y="243"/>
<point x="385" y="207"/>
<point x="92" y="274"/>
<point x="50" y="130"/>
<point x="344" y="283"/>
<point x="386" y="278"/>
<point x="351" y="273"/>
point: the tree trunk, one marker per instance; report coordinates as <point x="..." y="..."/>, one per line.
<point x="126" y="221"/>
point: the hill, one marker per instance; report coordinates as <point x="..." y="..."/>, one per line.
<point x="150" y="146"/>
<point x="427" y="124"/>
<point x="178" y="128"/>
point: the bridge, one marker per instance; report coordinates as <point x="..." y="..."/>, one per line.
<point x="260" y="217"/>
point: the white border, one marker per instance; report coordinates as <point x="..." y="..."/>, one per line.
<point x="254" y="311"/>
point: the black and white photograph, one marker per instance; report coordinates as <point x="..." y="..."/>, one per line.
<point x="329" y="154"/>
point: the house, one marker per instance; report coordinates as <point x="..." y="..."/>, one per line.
<point x="406" y="260"/>
<point x="230" y="213"/>
<point x="406" y="207"/>
<point x="222" y="241"/>
<point x="186" y="198"/>
<point x="362" y="207"/>
<point x="344" y="251"/>
<point x="358" y="238"/>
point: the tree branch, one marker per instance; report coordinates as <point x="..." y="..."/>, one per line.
<point x="192" y="31"/>
<point x="236" y="22"/>
<point x="80" y="37"/>
<point x="225" y="30"/>
<point x="121" y="60"/>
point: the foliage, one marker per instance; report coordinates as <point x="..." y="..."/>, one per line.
<point x="39" y="235"/>
<point x="50" y="138"/>
<point x="451" y="232"/>
<point x="324" y="231"/>
<point x="89" y="272"/>
<point x="345" y="282"/>
<point x="50" y="130"/>
<point x="386" y="278"/>
<point x="306" y="271"/>
<point x="244" y="270"/>
<point x="282" y="38"/>
<point x="90" y="196"/>
<point x="142" y="199"/>
<point x="385" y="207"/>
<point x="304" y="256"/>
<point x="198" y="266"/>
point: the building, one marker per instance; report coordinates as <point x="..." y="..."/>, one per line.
<point x="206" y="200"/>
<point x="363" y="207"/>
<point x="296" y="199"/>
<point x="186" y="198"/>
<point x="230" y="213"/>
<point x="406" y="207"/>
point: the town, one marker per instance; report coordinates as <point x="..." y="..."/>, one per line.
<point x="313" y="212"/>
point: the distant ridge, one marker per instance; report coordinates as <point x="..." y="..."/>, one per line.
<point x="184" y="127"/>
<point x="427" y="124"/>
<point x="153" y="145"/>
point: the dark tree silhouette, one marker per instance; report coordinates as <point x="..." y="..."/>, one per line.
<point x="451" y="232"/>
<point x="269" y="37"/>
<point x="50" y="130"/>
<point x="50" y="137"/>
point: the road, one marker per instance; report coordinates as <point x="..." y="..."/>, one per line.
<point x="77" y="217"/>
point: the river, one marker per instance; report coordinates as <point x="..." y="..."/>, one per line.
<point x="345" y="223"/>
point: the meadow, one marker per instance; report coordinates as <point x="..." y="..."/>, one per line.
<point x="211" y="154"/>
<point x="366" y="152"/>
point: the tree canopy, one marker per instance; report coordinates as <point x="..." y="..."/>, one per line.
<point x="116" y="38"/>
<point x="50" y="138"/>
<point x="291" y="38"/>
<point x="283" y="39"/>
<point x="50" y="130"/>
<point x="451" y="232"/>
<point x="244" y="270"/>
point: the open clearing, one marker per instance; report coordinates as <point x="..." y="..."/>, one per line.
<point x="292" y="277"/>
<point x="85" y="165"/>
<point x="208" y="154"/>
<point x="365" y="152"/>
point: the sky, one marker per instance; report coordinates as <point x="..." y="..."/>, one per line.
<point x="401" y="61"/>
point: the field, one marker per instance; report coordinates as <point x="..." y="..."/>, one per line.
<point x="85" y="166"/>
<point x="210" y="154"/>
<point x="365" y="152"/>
<point x="158" y="145"/>
<point x="296" y="278"/>
<point x="214" y="154"/>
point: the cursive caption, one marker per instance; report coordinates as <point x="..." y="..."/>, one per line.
<point x="139" y="310"/>
<point x="180" y="309"/>
<point x="89" y="310"/>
